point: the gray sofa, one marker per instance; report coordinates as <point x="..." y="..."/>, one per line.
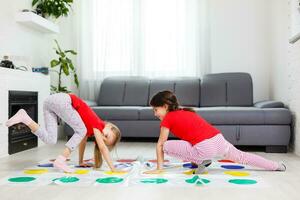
<point x="225" y="100"/>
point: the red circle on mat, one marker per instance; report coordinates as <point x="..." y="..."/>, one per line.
<point x="154" y="161"/>
<point x="126" y="160"/>
<point x="228" y="161"/>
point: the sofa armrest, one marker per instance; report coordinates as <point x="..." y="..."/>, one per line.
<point x="269" y="104"/>
<point x="91" y="103"/>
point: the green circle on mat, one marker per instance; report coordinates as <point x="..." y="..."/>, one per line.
<point x="197" y="179"/>
<point x="21" y="179"/>
<point x="109" y="180"/>
<point x="154" y="180"/>
<point x="242" y="181"/>
<point x="205" y="180"/>
<point x="68" y="179"/>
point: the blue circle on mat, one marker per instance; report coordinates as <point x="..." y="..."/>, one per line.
<point x="232" y="167"/>
<point x="189" y="165"/>
<point x="46" y="165"/>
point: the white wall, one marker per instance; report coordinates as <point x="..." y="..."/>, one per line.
<point x="27" y="46"/>
<point x="240" y="40"/>
<point x="285" y="82"/>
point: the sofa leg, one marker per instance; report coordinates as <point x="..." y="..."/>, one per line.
<point x="276" y="149"/>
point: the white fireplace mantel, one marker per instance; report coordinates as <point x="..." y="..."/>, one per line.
<point x="11" y="79"/>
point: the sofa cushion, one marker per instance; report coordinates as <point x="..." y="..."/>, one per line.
<point x="117" y="112"/>
<point x="136" y="91"/>
<point x="159" y="84"/>
<point x="111" y="92"/>
<point x="226" y="89"/>
<point x="187" y="91"/>
<point x="244" y="115"/>
<point x="146" y="113"/>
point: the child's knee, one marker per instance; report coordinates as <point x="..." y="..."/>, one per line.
<point x="168" y="146"/>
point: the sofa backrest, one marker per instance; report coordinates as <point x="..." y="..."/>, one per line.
<point x="124" y="91"/>
<point x="226" y="89"/>
<point x="137" y="91"/>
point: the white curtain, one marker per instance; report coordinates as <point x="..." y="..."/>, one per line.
<point x="141" y="37"/>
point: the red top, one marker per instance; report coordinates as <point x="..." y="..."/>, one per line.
<point x="88" y="116"/>
<point x="188" y="126"/>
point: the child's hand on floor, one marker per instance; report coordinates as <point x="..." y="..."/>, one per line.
<point x="156" y="171"/>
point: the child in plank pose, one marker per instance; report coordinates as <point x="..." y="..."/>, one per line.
<point x="199" y="142"/>
<point x="84" y="122"/>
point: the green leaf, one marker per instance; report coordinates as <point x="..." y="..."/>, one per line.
<point x="63" y="89"/>
<point x="62" y="54"/>
<point x="54" y="63"/>
<point x="72" y="66"/>
<point x="59" y="49"/>
<point x="34" y="2"/>
<point x="65" y="69"/>
<point x="71" y="51"/>
<point x="76" y="80"/>
<point x="53" y="88"/>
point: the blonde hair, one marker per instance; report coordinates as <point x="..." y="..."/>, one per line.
<point x="97" y="153"/>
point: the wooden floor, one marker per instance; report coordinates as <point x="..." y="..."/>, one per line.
<point x="284" y="185"/>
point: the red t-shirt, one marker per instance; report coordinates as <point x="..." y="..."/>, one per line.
<point x="88" y="116"/>
<point x="188" y="126"/>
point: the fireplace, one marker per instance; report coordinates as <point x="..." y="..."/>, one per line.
<point x="20" y="137"/>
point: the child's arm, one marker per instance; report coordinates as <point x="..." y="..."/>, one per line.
<point x="163" y="137"/>
<point x="81" y="149"/>
<point x="103" y="149"/>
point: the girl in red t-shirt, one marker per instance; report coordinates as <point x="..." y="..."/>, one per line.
<point x="199" y="142"/>
<point x="83" y="120"/>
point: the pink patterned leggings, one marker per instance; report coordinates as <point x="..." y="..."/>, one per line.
<point x="215" y="146"/>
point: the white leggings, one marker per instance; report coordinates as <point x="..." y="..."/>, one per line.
<point x="60" y="105"/>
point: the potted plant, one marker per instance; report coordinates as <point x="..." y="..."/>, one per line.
<point x="66" y="68"/>
<point x="52" y="8"/>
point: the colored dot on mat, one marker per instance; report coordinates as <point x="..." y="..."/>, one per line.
<point x="81" y="171"/>
<point x="190" y="172"/>
<point x="115" y="173"/>
<point x="109" y="180"/>
<point x="21" y="179"/>
<point x="126" y="160"/>
<point x="236" y="173"/>
<point x="46" y="165"/>
<point x="36" y="171"/>
<point x="190" y="165"/>
<point x="154" y="161"/>
<point x="154" y="180"/>
<point x="67" y="179"/>
<point x="242" y="181"/>
<point x="226" y="161"/>
<point x="192" y="180"/>
<point x="232" y="167"/>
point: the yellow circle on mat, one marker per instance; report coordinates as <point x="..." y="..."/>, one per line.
<point x="36" y="171"/>
<point x="81" y="171"/>
<point x="190" y="172"/>
<point x="237" y="173"/>
<point x="115" y="173"/>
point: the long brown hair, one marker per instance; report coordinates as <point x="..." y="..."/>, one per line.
<point x="167" y="98"/>
<point x="97" y="153"/>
